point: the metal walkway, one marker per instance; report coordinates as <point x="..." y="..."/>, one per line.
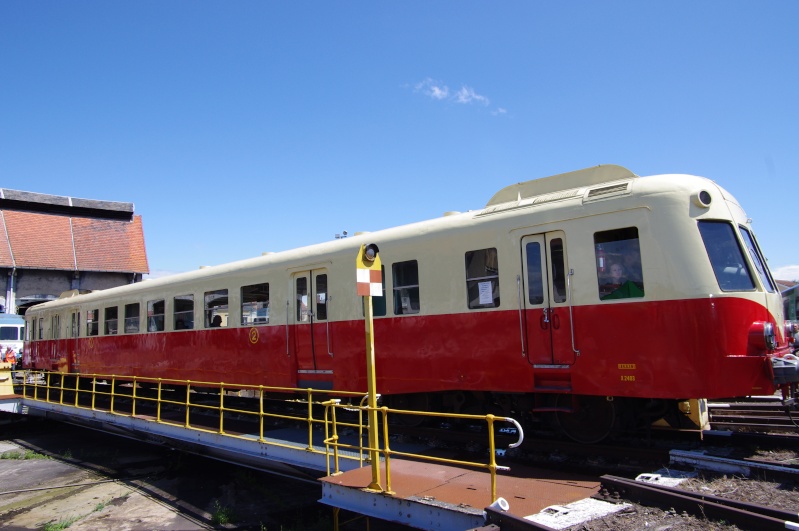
<point x="411" y="485"/>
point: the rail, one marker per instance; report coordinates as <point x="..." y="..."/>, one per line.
<point x="190" y="403"/>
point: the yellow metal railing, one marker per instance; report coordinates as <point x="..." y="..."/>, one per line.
<point x="387" y="453"/>
<point x="123" y="395"/>
<point x="101" y="392"/>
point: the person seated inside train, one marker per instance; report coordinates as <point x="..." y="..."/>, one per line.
<point x="216" y="322"/>
<point x="619" y="286"/>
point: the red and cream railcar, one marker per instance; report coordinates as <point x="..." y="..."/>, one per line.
<point x="594" y="283"/>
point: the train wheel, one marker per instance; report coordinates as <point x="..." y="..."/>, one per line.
<point x="591" y="420"/>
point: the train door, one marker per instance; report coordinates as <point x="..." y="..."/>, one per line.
<point x="547" y="324"/>
<point x="311" y="330"/>
<point x="72" y="343"/>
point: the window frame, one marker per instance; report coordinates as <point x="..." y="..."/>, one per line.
<point x="210" y="311"/>
<point x="475" y="285"/>
<point x="179" y="314"/>
<point x="251" y="304"/>
<point x="397" y="287"/>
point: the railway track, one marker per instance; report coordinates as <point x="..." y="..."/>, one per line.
<point x="761" y="414"/>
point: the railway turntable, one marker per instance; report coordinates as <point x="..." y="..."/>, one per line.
<point x="437" y="496"/>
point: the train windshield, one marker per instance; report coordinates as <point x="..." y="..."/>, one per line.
<point x="726" y="256"/>
<point x="757" y="259"/>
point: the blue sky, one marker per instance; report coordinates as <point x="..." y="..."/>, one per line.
<point x="241" y="127"/>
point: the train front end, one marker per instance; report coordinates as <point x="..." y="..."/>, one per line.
<point x="741" y="269"/>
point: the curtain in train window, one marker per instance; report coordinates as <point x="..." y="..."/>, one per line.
<point x="482" y="278"/>
<point x="255" y="304"/>
<point x="132" y="318"/>
<point x="110" y="322"/>
<point x="405" y="277"/>
<point x="183" y="312"/>
<point x="618" y="264"/>
<point x="216" y="308"/>
<point x="155" y="315"/>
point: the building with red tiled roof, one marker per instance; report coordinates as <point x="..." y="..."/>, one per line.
<point x="52" y="244"/>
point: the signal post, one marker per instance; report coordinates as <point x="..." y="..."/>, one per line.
<point x="369" y="275"/>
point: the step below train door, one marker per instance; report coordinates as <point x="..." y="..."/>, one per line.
<point x="311" y="330"/>
<point x="544" y="290"/>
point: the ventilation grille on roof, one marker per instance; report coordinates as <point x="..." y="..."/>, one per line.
<point x="607" y="191"/>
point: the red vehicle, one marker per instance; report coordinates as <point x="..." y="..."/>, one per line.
<point x="597" y="296"/>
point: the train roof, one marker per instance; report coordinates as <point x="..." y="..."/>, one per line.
<point x="588" y="185"/>
<point x="11" y="318"/>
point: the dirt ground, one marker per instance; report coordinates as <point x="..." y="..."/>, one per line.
<point x="54" y="476"/>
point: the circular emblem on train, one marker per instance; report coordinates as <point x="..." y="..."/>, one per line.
<point x="91" y="342"/>
<point x="253" y="335"/>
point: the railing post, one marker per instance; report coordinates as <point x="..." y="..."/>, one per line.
<point x="61" y="391"/>
<point x="94" y="391"/>
<point x="492" y="467"/>
<point x="158" y="403"/>
<point x="113" y="391"/>
<point x="133" y="406"/>
<point x="188" y="402"/>
<point x="261" y="413"/>
<point x="77" y="389"/>
<point x="386" y="450"/>
<point x="221" y="407"/>
<point x="309" y="394"/>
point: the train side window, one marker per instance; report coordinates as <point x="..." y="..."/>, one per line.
<point x="41" y="328"/>
<point x="75" y="328"/>
<point x="184" y="312"/>
<point x="9" y="333"/>
<point x="55" y="332"/>
<point x="405" y="276"/>
<point x="757" y="258"/>
<point x="92" y="318"/>
<point x="482" y="278"/>
<point x="216" y="308"/>
<point x="535" y="275"/>
<point x="558" y="266"/>
<point x="255" y="304"/>
<point x="321" y="298"/>
<point x="618" y="264"/>
<point x="155" y="315"/>
<point x="132" y="318"/>
<point x="110" y="321"/>
<point x="726" y="256"/>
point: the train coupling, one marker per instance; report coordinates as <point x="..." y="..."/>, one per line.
<point x="786" y="369"/>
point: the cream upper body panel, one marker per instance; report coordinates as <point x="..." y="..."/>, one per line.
<point x="664" y="208"/>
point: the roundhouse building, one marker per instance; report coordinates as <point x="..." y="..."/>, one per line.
<point x="52" y="244"/>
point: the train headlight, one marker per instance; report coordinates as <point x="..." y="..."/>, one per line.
<point x="769" y="337"/>
<point x="761" y="337"/>
<point x="702" y="199"/>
